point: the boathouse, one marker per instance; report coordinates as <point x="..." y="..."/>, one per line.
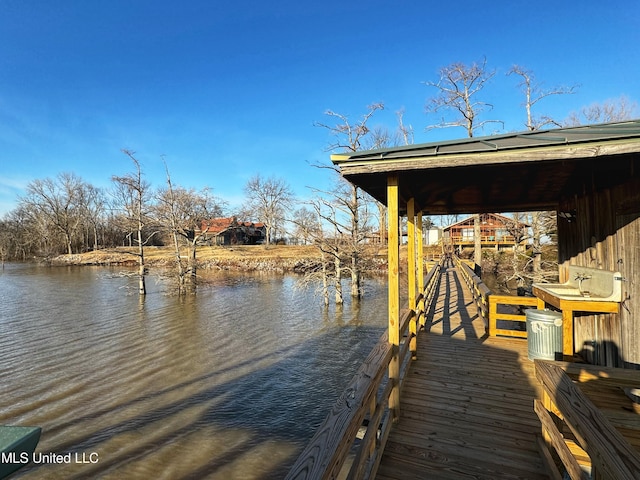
<point x="475" y="404"/>
<point x="589" y="175"/>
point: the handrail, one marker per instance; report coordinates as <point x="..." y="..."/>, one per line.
<point x="478" y="289"/>
<point x="488" y="302"/>
<point x="367" y="395"/>
<point x="483" y="238"/>
<point x="610" y="453"/>
<point x="495" y="315"/>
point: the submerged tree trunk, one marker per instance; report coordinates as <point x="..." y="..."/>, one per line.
<point x="355" y="240"/>
<point x="179" y="266"/>
<point x="142" y="288"/>
<point x="356" y="291"/>
<point x="382" y="213"/>
<point x="325" y="280"/>
<point x="338" y="284"/>
<point x="192" y="266"/>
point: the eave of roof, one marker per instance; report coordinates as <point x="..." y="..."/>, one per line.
<point x="537" y="139"/>
<point x="522" y="171"/>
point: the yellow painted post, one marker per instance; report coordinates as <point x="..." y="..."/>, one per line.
<point x="567" y="334"/>
<point x="493" y="314"/>
<point x="393" y="257"/>
<point x="546" y="402"/>
<point x="420" y="269"/>
<point x="411" y="252"/>
<point x="411" y="273"/>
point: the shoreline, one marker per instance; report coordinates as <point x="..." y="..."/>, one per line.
<point x="247" y="258"/>
<point x="281" y="258"/>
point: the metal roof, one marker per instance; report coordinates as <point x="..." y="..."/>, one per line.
<point x="519" y="171"/>
<point x="509" y="141"/>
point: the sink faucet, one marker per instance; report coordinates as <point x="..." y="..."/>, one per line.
<point x="581" y="277"/>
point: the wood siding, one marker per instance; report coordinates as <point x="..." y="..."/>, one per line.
<point x="606" y="234"/>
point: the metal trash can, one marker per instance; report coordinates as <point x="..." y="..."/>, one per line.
<point x="544" y="334"/>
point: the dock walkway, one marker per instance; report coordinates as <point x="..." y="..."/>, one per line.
<point x="467" y="405"/>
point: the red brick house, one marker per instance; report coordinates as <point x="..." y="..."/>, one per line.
<point x="229" y="231"/>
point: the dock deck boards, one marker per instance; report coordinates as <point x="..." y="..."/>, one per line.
<point x="467" y="404"/>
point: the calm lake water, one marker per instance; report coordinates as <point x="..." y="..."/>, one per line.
<point x="229" y="383"/>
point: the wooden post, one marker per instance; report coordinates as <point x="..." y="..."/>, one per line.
<point x="477" y="248"/>
<point x="546" y="402"/>
<point x="420" y="266"/>
<point x="393" y="256"/>
<point x="411" y="253"/>
<point x="493" y="314"/>
<point x="373" y="403"/>
<point x="411" y="273"/>
<point x="567" y="334"/>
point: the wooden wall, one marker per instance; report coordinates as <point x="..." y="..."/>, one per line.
<point x="606" y="234"/>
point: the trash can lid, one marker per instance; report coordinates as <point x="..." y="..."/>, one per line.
<point x="545" y="315"/>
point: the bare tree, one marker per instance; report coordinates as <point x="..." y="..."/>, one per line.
<point x="351" y="137"/>
<point x="181" y="212"/>
<point x="268" y="199"/>
<point x="612" y="110"/>
<point x="56" y="204"/>
<point x="132" y="197"/>
<point x="23" y="237"/>
<point x="65" y="214"/>
<point x="534" y="92"/>
<point x="5" y="240"/>
<point x="307" y="226"/>
<point x="380" y="137"/>
<point x="326" y="239"/>
<point x="406" y="131"/>
<point x="458" y="88"/>
<point x="532" y="228"/>
<point x="541" y="223"/>
<point x="331" y="247"/>
<point x="333" y="236"/>
<point x="93" y="208"/>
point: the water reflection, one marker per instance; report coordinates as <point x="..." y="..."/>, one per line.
<point x="229" y="383"/>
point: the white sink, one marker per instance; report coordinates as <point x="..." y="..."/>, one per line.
<point x="587" y="284"/>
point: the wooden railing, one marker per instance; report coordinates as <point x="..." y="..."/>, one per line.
<point x="494" y="314"/>
<point x="429" y="292"/>
<point x="331" y="452"/>
<point x="484" y="239"/>
<point x="575" y="432"/>
<point x="478" y="289"/>
<point x="488" y="304"/>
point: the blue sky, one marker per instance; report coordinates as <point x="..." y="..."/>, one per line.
<point x="226" y="90"/>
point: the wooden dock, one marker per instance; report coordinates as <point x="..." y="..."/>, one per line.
<point x="467" y="405"/>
